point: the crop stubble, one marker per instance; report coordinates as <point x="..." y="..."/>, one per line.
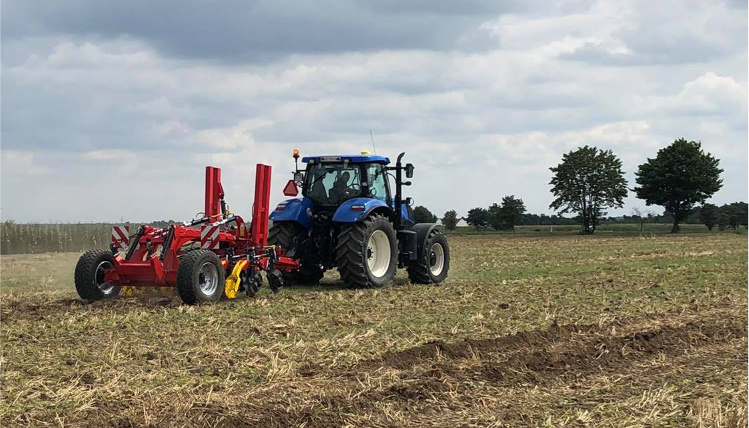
<point x="571" y="331"/>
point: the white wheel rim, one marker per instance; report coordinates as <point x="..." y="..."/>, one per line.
<point x="101" y="270"/>
<point x="208" y="278"/>
<point x="436" y="259"/>
<point x="378" y="253"/>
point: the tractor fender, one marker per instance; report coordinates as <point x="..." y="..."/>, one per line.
<point x="422" y="234"/>
<point x="346" y="214"/>
<point x="296" y="210"/>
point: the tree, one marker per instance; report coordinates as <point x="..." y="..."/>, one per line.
<point x="478" y="218"/>
<point x="450" y="220"/>
<point x="709" y="215"/>
<point x="495" y="219"/>
<point x="511" y="211"/>
<point x="586" y="182"/>
<point x="680" y="176"/>
<point x="732" y="215"/>
<point x="423" y="215"/>
<point x="740" y="214"/>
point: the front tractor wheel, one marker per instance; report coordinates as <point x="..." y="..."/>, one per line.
<point x="89" y="275"/>
<point x="367" y="253"/>
<point x="200" y="277"/>
<point x="433" y="262"/>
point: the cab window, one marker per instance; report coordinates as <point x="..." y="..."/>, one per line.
<point x="331" y="184"/>
<point x="377" y="176"/>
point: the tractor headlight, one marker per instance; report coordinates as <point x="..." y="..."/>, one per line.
<point x="280" y="207"/>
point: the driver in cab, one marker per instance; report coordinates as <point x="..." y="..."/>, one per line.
<point x="341" y="188"/>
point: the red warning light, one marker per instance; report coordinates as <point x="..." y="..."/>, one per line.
<point x="290" y="189"/>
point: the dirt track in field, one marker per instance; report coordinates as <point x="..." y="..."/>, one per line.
<point x="433" y="376"/>
<point x="21" y="309"/>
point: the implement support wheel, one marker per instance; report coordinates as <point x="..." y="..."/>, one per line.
<point x="200" y="277"/>
<point x="89" y="275"/>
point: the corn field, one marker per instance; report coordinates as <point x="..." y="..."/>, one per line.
<point x="36" y="238"/>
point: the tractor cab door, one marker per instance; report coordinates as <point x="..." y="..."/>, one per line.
<point x="378" y="183"/>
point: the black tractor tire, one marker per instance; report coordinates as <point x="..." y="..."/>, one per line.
<point x="89" y="275"/>
<point x="420" y="271"/>
<point x="200" y="277"/>
<point x="282" y="235"/>
<point x="353" y="252"/>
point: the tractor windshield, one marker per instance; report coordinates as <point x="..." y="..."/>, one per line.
<point x="331" y="184"/>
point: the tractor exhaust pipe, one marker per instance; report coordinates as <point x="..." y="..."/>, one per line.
<point x="398" y="192"/>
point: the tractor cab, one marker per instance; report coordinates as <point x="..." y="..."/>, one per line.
<point x="331" y="180"/>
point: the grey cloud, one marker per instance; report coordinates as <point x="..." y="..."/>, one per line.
<point x="262" y="30"/>
<point x="671" y="32"/>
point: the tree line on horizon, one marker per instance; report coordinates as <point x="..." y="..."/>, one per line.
<point x="588" y="181"/>
<point x="727" y="216"/>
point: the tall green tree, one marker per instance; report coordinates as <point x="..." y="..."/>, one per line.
<point x="495" y="220"/>
<point x="478" y="218"/>
<point x="586" y="182"/>
<point x="511" y="212"/>
<point x="680" y="176"/>
<point x="450" y="220"/>
<point x="423" y="215"/>
<point x="709" y="215"/>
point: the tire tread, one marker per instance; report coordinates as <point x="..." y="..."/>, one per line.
<point x="350" y="258"/>
<point x="187" y="266"/>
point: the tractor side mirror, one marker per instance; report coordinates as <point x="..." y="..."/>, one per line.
<point x="290" y="189"/>
<point x="299" y="178"/>
<point x="409" y="170"/>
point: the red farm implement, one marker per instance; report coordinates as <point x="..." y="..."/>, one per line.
<point x="216" y="254"/>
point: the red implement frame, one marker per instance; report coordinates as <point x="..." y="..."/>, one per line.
<point x="214" y="192"/>
<point x="152" y="257"/>
<point x="261" y="207"/>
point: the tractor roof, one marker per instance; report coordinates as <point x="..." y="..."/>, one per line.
<point x="349" y="158"/>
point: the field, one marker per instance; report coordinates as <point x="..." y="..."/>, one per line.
<point x="528" y="331"/>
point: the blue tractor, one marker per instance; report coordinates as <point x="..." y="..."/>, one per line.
<point x="349" y="218"/>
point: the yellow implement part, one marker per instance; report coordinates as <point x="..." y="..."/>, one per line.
<point x="231" y="287"/>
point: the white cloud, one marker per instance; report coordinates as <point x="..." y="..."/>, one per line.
<point x="710" y="93"/>
<point x="16" y="163"/>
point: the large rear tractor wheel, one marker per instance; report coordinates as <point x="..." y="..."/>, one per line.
<point x="367" y="253"/>
<point x="89" y="275"/>
<point x="434" y="261"/>
<point x="200" y="277"/>
<point x="283" y="234"/>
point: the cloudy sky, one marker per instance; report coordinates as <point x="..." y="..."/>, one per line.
<point x="110" y="110"/>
